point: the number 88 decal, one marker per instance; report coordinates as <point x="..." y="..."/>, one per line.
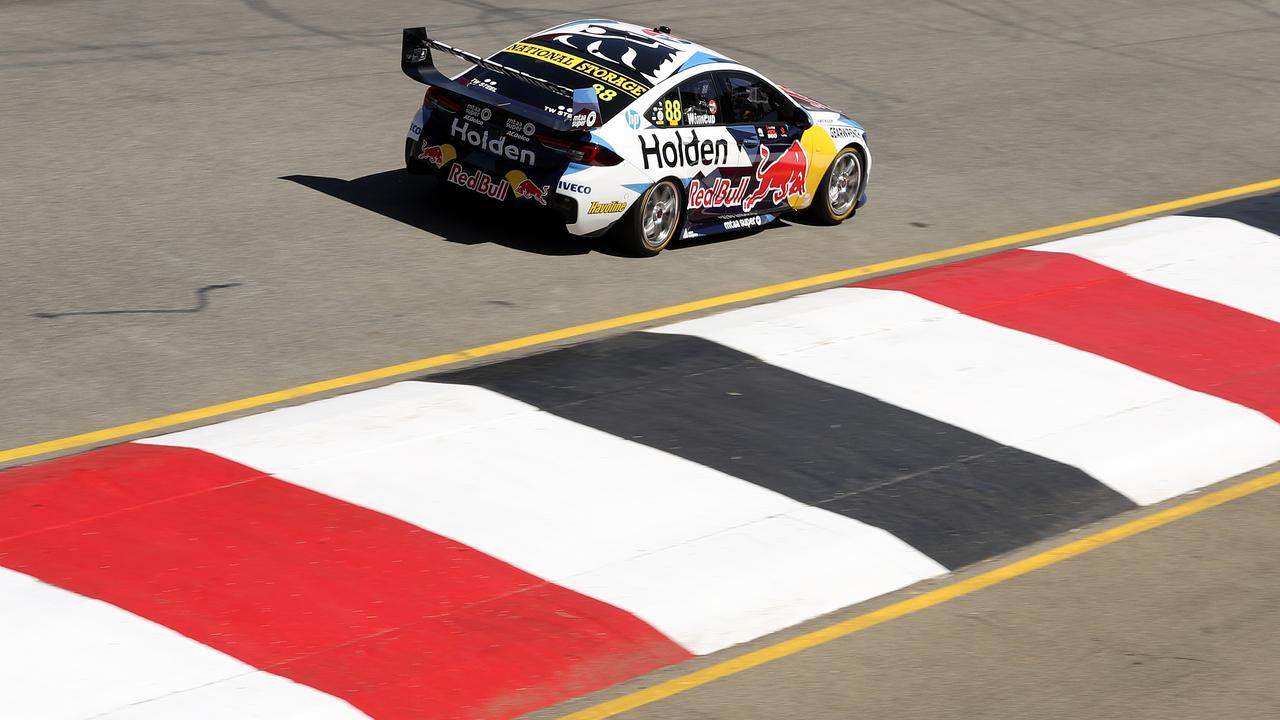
<point x="605" y="94"/>
<point x="672" y="109"/>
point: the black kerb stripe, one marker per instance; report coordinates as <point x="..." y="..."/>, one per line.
<point x="954" y="495"/>
<point x="1260" y="211"/>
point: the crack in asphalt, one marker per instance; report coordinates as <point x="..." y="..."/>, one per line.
<point x="202" y="301"/>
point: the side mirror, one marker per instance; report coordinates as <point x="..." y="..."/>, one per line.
<point x="801" y="118"/>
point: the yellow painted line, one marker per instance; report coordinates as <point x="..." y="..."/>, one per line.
<point x="848" y="627"/>
<point x="169" y="422"/>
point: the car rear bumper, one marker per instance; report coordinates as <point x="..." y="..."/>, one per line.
<point x="483" y="182"/>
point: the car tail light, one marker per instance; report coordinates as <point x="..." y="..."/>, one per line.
<point x="585" y="153"/>
<point x="436" y="97"/>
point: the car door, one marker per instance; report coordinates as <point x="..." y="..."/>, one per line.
<point x="692" y="139"/>
<point x="780" y="165"/>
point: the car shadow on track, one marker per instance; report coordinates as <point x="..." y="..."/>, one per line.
<point x="458" y="217"/>
<point x="417" y="201"/>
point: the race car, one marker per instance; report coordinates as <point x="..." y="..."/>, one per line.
<point x="616" y="126"/>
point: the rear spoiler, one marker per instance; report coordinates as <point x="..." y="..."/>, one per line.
<point x="416" y="62"/>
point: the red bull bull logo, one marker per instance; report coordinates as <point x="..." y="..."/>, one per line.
<point x="524" y="188"/>
<point x="437" y="155"/>
<point x="529" y="190"/>
<point x="432" y="154"/>
<point x="781" y="180"/>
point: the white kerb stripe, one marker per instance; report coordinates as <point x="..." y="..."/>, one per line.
<point x="745" y="582"/>
<point x="1218" y="259"/>
<point x="1143" y="436"/>
<point x="646" y="531"/>
<point x="70" y="656"/>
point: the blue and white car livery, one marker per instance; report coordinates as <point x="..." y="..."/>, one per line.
<point x="613" y="125"/>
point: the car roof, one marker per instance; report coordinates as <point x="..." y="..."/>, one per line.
<point x="641" y="53"/>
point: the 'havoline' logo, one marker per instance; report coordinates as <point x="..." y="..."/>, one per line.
<point x="497" y="145"/>
<point x="683" y="151"/>
<point x="606" y="208"/>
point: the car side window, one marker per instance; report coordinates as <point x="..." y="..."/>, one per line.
<point x="700" y="101"/>
<point x="693" y="103"/>
<point x="666" y="112"/>
<point x="749" y="99"/>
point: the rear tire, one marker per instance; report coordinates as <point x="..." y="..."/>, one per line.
<point x="837" y="196"/>
<point x="653" y="220"/>
<point x="411" y="162"/>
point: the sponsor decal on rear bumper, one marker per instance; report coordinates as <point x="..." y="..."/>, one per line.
<point x="606" y="208"/>
<point x="498" y="145"/>
<point x="575" y="187"/>
<point x="479" y="182"/>
<point x="524" y="188"/>
<point x="515" y="184"/>
<point x="437" y="155"/>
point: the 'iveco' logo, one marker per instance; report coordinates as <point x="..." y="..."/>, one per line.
<point x="498" y="145"/>
<point x="682" y="152"/>
<point x="575" y="187"/>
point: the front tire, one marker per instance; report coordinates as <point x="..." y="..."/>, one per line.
<point x="838" y="193"/>
<point x="653" y="221"/>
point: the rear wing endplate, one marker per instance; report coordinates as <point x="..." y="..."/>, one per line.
<point x="416" y="62"/>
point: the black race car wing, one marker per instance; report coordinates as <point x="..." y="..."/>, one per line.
<point x="416" y="62"/>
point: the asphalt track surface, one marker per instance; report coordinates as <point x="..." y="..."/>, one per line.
<point x="203" y="201"/>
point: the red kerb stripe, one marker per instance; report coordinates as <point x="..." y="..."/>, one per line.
<point x="1188" y="340"/>
<point x="396" y="620"/>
